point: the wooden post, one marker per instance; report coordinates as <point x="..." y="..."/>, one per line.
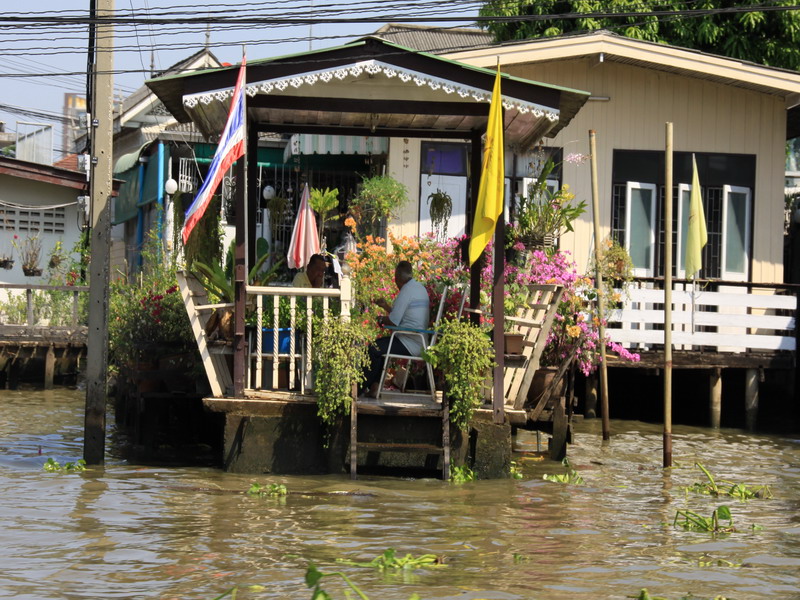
<point x="715" y="397"/>
<point x="498" y="309"/>
<point x="49" y="367"/>
<point x="102" y="66"/>
<point x="354" y="432"/>
<point x="751" y="399"/>
<point x="590" y="398"/>
<point x="29" y="307"/>
<point x="240" y="278"/>
<point x="599" y="286"/>
<point x="667" y="449"/>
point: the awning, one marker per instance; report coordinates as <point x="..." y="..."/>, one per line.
<point x="132" y="194"/>
<point x="334" y="144"/>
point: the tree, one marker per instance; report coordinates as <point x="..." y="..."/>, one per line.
<point x="770" y="37"/>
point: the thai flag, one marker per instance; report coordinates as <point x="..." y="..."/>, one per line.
<point x="231" y="147"/>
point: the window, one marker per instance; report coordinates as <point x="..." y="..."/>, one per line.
<point x="736" y="232"/>
<point x="640" y="219"/>
<point x="27" y="221"/>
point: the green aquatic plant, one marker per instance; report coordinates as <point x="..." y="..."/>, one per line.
<point x="272" y="489"/>
<point x="314" y="578"/>
<point x="691" y="521"/>
<point x="571" y="476"/>
<point x="52" y="466"/>
<point x="461" y="474"/>
<point x="727" y="488"/>
<point x="515" y="471"/>
<point x="232" y="592"/>
<point x="390" y="561"/>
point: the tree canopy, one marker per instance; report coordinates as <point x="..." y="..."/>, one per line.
<point x="769" y="37"/>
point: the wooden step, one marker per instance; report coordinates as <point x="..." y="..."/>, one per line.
<point x="399" y="447"/>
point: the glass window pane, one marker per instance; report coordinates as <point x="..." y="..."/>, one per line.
<point x="641" y="220"/>
<point x="735" y="232"/>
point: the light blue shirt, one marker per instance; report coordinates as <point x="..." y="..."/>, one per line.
<point x="412" y="310"/>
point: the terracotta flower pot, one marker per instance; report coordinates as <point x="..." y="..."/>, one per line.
<point x="513" y="343"/>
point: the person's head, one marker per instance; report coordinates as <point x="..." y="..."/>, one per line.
<point x="315" y="270"/>
<point x="403" y="273"/>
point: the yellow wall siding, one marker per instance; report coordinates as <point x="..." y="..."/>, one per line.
<point x="706" y="116"/>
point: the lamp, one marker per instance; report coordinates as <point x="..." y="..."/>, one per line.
<point x="170" y="186"/>
<point x="268" y="193"/>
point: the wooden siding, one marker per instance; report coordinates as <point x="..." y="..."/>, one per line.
<point x="707" y="117"/>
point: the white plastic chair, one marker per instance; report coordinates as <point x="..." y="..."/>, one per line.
<point x="428" y="339"/>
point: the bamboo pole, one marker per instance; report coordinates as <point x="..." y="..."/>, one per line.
<point x="599" y="285"/>
<point x="668" y="299"/>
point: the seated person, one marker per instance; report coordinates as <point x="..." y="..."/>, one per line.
<point x="314" y="275"/>
<point x="411" y="310"/>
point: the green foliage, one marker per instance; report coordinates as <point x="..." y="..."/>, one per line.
<point x="147" y="317"/>
<point x="461" y="474"/>
<point x="340" y="355"/>
<point x="463" y="352"/>
<point x="691" y="521"/>
<point x="515" y="471"/>
<point x="440" y="208"/>
<point x="205" y="242"/>
<point x="52" y="466"/>
<point x="570" y="477"/>
<point x="389" y="561"/>
<point x="314" y="578"/>
<point x="727" y="488"/>
<point x="272" y="490"/>
<point x="770" y="38"/>
<point x="379" y="198"/>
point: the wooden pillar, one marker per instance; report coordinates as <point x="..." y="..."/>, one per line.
<point x="751" y="399"/>
<point x="49" y="367"/>
<point x="240" y="278"/>
<point x="715" y="397"/>
<point x="474" y="184"/>
<point x="590" y="398"/>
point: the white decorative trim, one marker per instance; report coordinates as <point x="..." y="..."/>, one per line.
<point x="372" y="68"/>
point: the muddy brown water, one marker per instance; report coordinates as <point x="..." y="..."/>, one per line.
<point x="137" y="531"/>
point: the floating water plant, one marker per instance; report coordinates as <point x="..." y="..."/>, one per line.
<point x="461" y="474"/>
<point x="691" y="521"/>
<point x="272" y="490"/>
<point x="52" y="466"/>
<point x="644" y="595"/>
<point x="315" y="576"/>
<point x="515" y="471"/>
<point x="571" y="476"/>
<point x="727" y="488"/>
<point x="389" y="561"/>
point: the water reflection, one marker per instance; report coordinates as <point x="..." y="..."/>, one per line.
<point x="129" y="530"/>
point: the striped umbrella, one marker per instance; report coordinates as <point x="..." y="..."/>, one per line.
<point x="304" y="242"/>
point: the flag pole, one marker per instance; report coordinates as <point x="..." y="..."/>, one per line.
<point x="599" y="285"/>
<point x="667" y="454"/>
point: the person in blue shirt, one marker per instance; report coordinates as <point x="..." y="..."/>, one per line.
<point x="410" y="310"/>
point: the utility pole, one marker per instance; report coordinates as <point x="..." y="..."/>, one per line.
<point x="101" y="63"/>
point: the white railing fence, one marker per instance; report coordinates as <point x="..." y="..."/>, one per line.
<point x="718" y="321"/>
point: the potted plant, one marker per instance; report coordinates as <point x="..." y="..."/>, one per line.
<point x="56" y="255"/>
<point x="378" y="198"/>
<point x="30" y="250"/>
<point x="616" y="268"/>
<point x="277" y="206"/>
<point x="544" y="215"/>
<point x="440" y="207"/>
<point x="463" y="352"/>
<point x="323" y="202"/>
<point x="6" y="260"/>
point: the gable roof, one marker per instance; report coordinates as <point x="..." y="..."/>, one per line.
<point x="370" y="86"/>
<point x="438" y="40"/>
<point x="610" y="47"/>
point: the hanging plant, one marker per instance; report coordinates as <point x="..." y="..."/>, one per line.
<point x="277" y="206"/>
<point x="440" y="207"/>
<point x="378" y="198"/>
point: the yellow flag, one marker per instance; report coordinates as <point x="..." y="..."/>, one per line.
<point x="697" y="236"/>
<point x="492" y="186"/>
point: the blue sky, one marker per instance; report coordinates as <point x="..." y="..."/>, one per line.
<point x="41" y="64"/>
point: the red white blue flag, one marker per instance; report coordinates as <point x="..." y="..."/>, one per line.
<point x="231" y="147"/>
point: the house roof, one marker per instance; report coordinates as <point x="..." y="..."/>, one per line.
<point x="436" y="40"/>
<point x="610" y="47"/>
<point x="370" y="86"/>
<point x="43" y="173"/>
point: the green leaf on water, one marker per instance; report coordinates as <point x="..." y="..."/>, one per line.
<point x="312" y="575"/>
<point x="723" y="512"/>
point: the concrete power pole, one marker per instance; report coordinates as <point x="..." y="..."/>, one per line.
<point x="100" y="189"/>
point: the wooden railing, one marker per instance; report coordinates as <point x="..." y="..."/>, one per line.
<point x="303" y="354"/>
<point x="730" y="319"/>
<point x="33" y="325"/>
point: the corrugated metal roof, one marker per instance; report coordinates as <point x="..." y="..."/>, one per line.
<point x="434" y="39"/>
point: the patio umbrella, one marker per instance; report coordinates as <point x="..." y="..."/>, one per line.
<point x="304" y="235"/>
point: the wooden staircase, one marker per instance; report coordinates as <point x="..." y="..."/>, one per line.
<point x="389" y="406"/>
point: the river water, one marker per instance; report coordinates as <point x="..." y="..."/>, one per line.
<point x="141" y="531"/>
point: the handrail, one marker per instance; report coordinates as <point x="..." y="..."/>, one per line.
<point x="30" y="288"/>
